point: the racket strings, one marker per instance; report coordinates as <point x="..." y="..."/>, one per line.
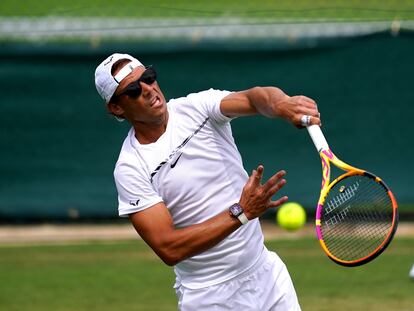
<point x="358" y="237"/>
<point x="356" y="218"/>
<point x="353" y="241"/>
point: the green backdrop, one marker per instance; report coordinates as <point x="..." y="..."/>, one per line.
<point x="59" y="146"/>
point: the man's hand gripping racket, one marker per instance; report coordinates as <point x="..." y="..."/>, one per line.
<point x="356" y="216"/>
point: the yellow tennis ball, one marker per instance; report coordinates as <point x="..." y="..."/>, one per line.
<point x="291" y="216"/>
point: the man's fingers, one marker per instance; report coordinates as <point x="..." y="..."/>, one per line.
<point x="256" y="177"/>
<point x="307" y="105"/>
<point x="258" y="174"/>
<point x="315" y="121"/>
<point x="306" y="120"/>
<point x="272" y="191"/>
<point x="278" y="202"/>
<point x="260" y="170"/>
<point x="306" y="101"/>
<point x="307" y="110"/>
<point x="273" y="180"/>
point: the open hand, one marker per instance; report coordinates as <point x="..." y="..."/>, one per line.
<point x="256" y="197"/>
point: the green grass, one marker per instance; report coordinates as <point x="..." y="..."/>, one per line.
<point x="282" y="9"/>
<point x="322" y="285"/>
<point x="119" y="276"/>
<point x="127" y="276"/>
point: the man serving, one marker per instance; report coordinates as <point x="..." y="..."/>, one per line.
<point x="181" y="182"/>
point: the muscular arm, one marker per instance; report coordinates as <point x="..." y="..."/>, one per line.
<point x="173" y="245"/>
<point x="270" y="102"/>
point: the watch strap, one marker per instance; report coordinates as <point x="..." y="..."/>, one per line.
<point x="243" y="219"/>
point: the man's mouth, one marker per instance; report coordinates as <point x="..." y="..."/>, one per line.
<point x="155" y="102"/>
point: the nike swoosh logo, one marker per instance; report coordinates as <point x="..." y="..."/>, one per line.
<point x="176" y="160"/>
<point x="109" y="61"/>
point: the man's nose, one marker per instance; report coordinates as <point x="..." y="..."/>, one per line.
<point x="146" y="88"/>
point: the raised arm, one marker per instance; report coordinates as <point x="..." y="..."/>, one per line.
<point x="270" y="102"/>
<point x="172" y="245"/>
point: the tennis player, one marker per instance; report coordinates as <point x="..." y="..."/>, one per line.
<point x="181" y="182"/>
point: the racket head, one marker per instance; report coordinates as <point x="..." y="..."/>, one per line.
<point x="356" y="218"/>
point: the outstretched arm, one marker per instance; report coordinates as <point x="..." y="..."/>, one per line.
<point x="270" y="102"/>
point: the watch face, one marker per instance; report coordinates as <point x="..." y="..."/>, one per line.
<point x="236" y="209"/>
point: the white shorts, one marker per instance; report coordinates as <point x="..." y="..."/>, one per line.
<point x="267" y="286"/>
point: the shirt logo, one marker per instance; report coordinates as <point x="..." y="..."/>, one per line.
<point x="134" y="203"/>
<point x="173" y="164"/>
<point x="109" y="61"/>
<point x="176" y="150"/>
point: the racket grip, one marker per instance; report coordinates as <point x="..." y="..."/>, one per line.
<point x="318" y="139"/>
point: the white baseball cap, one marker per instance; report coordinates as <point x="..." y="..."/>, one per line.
<point x="105" y="83"/>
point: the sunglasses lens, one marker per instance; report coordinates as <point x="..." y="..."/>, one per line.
<point x="134" y="89"/>
<point x="134" y="92"/>
<point x="149" y="76"/>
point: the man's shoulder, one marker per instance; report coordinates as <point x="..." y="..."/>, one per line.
<point x="127" y="154"/>
<point x="204" y="93"/>
<point x="127" y="166"/>
<point x="197" y="99"/>
<point x="199" y="95"/>
<point x="197" y="106"/>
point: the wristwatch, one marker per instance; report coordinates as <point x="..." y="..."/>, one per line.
<point x="236" y="211"/>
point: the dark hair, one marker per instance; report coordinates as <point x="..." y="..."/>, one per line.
<point x="118" y="64"/>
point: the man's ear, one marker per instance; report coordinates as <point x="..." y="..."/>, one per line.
<point x="115" y="109"/>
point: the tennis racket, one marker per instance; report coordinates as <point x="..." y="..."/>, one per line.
<point x="356" y="215"/>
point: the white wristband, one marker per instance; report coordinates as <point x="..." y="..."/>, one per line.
<point x="243" y="219"/>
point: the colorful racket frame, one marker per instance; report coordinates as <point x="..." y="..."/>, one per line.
<point x="327" y="157"/>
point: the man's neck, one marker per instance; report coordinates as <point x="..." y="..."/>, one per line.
<point x="147" y="133"/>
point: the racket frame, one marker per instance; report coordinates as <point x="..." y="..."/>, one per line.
<point x="327" y="157"/>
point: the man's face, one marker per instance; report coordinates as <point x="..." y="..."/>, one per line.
<point x="149" y="107"/>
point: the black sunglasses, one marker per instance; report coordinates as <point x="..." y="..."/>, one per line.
<point x="134" y="90"/>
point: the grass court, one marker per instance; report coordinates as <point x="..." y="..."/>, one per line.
<point x="126" y="275"/>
